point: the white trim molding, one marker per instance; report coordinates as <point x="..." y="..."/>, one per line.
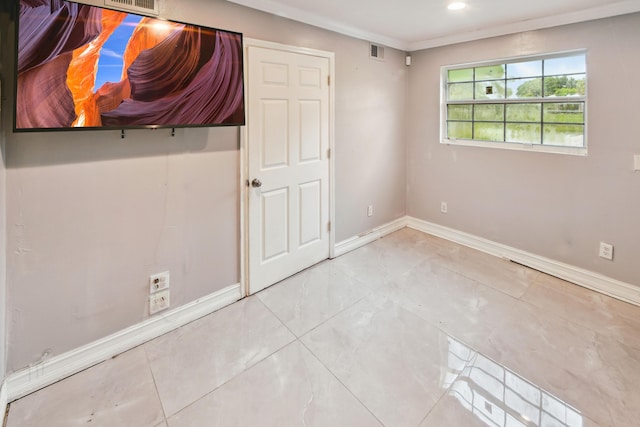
<point x="30" y="379"/>
<point x="362" y="239"/>
<point x="585" y="278"/>
<point x="4" y="401"/>
<point x="279" y="8"/>
<point x="598" y="12"/>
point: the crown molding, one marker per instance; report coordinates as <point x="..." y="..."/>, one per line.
<point x="607" y="11"/>
<point x="275" y="8"/>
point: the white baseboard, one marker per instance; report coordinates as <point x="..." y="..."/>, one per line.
<point x="360" y="240"/>
<point x="28" y="380"/>
<point x="585" y="278"/>
<point x="4" y="402"/>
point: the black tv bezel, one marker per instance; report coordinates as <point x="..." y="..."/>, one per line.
<point x="127" y="127"/>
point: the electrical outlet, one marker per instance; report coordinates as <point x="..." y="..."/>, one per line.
<point x="370" y="210"/>
<point x="159" y="301"/>
<point x="443" y="207"/>
<point x="636" y="162"/>
<point x="606" y="251"/>
<point x="158" y="282"/>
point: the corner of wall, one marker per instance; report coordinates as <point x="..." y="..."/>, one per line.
<point x="4" y="35"/>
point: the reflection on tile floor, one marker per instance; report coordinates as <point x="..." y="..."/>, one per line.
<point x="410" y="330"/>
<point x="490" y="394"/>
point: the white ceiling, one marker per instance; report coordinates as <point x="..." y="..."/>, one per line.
<point x="419" y="24"/>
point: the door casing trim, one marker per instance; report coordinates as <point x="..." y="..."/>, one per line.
<point x="244" y="152"/>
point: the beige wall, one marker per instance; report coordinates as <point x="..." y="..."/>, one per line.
<point x="557" y="206"/>
<point x="90" y="216"/>
<point x="5" y="30"/>
<point x="370" y="109"/>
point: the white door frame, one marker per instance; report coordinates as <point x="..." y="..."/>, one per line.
<point x="244" y="153"/>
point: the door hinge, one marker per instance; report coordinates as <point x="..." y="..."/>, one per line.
<point x="329" y="226"/>
<point x="328" y="80"/>
<point x="328" y="153"/>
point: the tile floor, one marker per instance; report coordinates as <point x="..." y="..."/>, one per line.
<point x="410" y="330"/>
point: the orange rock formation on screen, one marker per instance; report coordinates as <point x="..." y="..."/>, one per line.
<point x="82" y="71"/>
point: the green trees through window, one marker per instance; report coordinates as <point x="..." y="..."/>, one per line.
<point x="539" y="101"/>
<point x="553" y="86"/>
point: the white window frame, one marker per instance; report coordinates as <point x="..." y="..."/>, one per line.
<point x="577" y="151"/>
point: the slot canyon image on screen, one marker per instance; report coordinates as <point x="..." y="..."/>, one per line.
<point x="87" y="67"/>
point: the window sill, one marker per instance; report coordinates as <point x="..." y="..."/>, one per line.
<point x="573" y="151"/>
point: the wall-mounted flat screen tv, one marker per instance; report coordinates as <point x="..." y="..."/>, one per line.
<point x="87" y="67"/>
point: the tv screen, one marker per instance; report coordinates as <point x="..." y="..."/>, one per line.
<point x="87" y="67"/>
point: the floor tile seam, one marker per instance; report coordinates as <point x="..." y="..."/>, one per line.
<point x="442" y="396"/>
<point x="328" y="319"/>
<point x="379" y="291"/>
<point x="567" y="317"/>
<point x="347" y="307"/>
<point x="387" y="280"/>
<point x="246" y="368"/>
<point x="475" y="280"/>
<point x="333" y="374"/>
<point x="263" y="360"/>
<point x="57" y="381"/>
<point x="577" y="322"/>
<point x="155" y="384"/>
<point x="295" y="336"/>
<point x="426" y="322"/>
<point x="444" y="393"/>
<point x="547" y="312"/>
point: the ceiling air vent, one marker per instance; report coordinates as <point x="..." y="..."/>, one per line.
<point x="145" y="7"/>
<point x="376" y="52"/>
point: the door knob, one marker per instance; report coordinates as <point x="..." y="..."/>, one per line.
<point x="256" y="183"/>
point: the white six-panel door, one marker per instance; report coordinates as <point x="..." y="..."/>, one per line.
<point x="288" y="163"/>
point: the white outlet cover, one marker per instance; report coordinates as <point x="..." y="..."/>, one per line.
<point x="606" y="251"/>
<point x="159" y="301"/>
<point x="636" y="162"/>
<point x="159" y="282"/>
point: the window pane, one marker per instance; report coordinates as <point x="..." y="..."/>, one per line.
<point x="464" y="75"/>
<point x="564" y="86"/>
<point x="564" y="112"/>
<point x="527" y="133"/>
<point x="523" y="112"/>
<point x="460" y="130"/>
<point x="528" y="101"/>
<point x="566" y="65"/>
<point x="491" y="72"/>
<point x="524" y="69"/>
<point x="489" y="112"/>
<point x="459" y="91"/>
<point x="489" y="131"/>
<point x="490" y="90"/>
<point x="564" y="135"/>
<point x="524" y="88"/>
<point x="459" y="112"/>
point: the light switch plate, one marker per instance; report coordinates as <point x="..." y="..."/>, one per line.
<point x="636" y="162"/>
